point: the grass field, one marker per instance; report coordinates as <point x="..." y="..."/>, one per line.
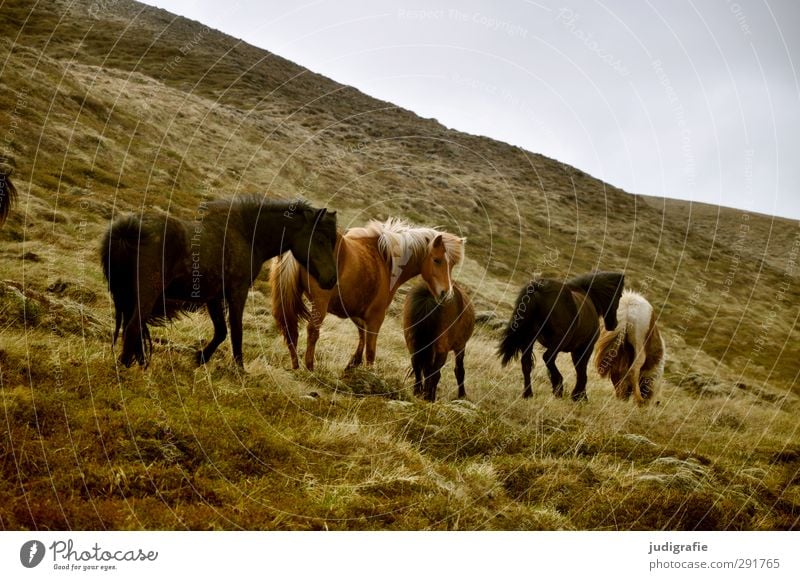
<point x="138" y="108"/>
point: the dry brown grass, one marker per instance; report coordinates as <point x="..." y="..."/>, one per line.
<point x="88" y="446"/>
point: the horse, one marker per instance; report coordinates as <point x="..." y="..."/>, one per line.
<point x="633" y="354"/>
<point x="563" y="317"/>
<point x="372" y="263"/>
<point x="158" y="266"/>
<point x="8" y="195"/>
<point x="432" y="328"/>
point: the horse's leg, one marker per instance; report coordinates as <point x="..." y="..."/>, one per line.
<point x="235" y="313"/>
<point x="217" y="313"/>
<point x="432" y="377"/>
<point x="460" y="374"/>
<point x="319" y="308"/>
<point x="136" y="335"/>
<point x="418" y="379"/>
<point x="358" y="356"/>
<point x="621" y="385"/>
<point x="580" y="358"/>
<point x="291" y="335"/>
<point x="556" y="380"/>
<point x="374" y="324"/>
<point x="635" y="372"/>
<point x="527" y="369"/>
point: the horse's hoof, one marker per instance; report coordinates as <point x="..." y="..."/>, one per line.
<point x="527" y="394"/>
<point x="580" y="398"/>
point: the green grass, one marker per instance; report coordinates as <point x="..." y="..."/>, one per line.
<point x="87" y="445"/>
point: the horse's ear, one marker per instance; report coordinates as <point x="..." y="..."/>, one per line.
<point x="320" y="214"/>
<point x="438" y="242"/>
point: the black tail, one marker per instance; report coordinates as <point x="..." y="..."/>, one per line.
<point x="8" y="195"/>
<point x="118" y="254"/>
<point x="522" y="328"/>
<point x="425" y="317"/>
<point x="604" y="290"/>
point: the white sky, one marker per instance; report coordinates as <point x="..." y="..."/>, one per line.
<point x="693" y="100"/>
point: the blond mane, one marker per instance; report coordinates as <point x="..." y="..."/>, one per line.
<point x="397" y="238"/>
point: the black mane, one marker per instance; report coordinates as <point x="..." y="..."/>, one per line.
<point x="604" y="290"/>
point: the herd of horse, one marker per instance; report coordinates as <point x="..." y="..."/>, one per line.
<point x="159" y="267"/>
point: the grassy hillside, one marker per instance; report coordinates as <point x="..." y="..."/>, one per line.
<point x="113" y="106"/>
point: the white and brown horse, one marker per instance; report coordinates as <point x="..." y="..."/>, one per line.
<point x="632" y="355"/>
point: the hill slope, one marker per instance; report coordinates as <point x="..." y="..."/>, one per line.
<point x="114" y="106"/>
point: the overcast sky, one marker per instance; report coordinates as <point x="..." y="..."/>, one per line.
<point x="694" y="100"/>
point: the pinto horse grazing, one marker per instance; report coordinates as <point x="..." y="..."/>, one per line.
<point x="8" y="195"/>
<point x="158" y="266"/>
<point x="632" y="355"/>
<point x="372" y="263"/>
<point x="563" y="317"/>
<point x="433" y="327"/>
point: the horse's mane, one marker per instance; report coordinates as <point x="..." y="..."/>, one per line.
<point x="263" y="203"/>
<point x="603" y="288"/>
<point x="397" y="238"/>
<point x="258" y="210"/>
<point x="633" y="294"/>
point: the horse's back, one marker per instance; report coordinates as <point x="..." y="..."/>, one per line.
<point x="363" y="279"/>
<point x="566" y="316"/>
<point x="636" y="313"/>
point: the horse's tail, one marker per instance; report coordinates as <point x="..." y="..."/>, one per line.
<point x="613" y="354"/>
<point x="523" y="327"/>
<point x="118" y="254"/>
<point x="8" y="195"/>
<point x="288" y="306"/>
<point x="422" y="322"/>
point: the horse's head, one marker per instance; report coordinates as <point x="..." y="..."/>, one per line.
<point x="313" y="245"/>
<point x="436" y="269"/>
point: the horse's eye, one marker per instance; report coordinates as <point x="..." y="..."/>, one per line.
<point x="437" y="261"/>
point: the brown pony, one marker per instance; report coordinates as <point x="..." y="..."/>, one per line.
<point x="632" y="355"/>
<point x="433" y="327"/>
<point x="8" y="195"/>
<point x="563" y="317"/>
<point x="372" y="263"/>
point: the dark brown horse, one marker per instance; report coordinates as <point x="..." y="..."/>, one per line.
<point x="8" y="195"/>
<point x="372" y="263"/>
<point x="563" y="317"/>
<point x="158" y="266"/>
<point x="433" y="327"/>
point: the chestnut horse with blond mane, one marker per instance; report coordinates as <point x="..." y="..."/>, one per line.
<point x="372" y="263"/>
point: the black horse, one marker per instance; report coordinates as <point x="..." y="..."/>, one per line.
<point x="563" y="317"/>
<point x="8" y="195"/>
<point x="158" y="266"/>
